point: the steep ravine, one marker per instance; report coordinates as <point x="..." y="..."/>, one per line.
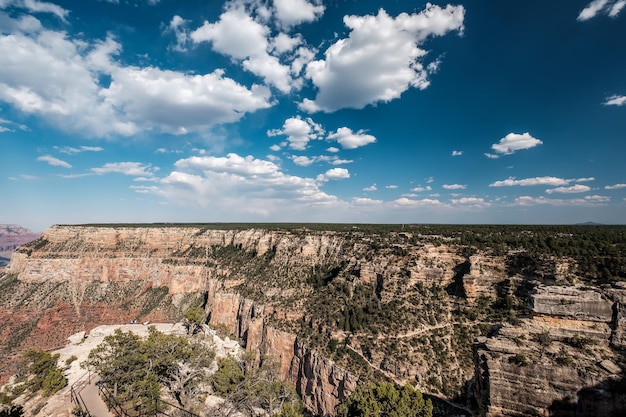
<point x="336" y="308"/>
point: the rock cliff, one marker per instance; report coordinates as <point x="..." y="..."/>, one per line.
<point x="338" y="306"/>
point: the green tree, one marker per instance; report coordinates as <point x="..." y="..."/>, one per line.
<point x="195" y="317"/>
<point x="248" y="387"/>
<point x="135" y="368"/>
<point x="44" y="373"/>
<point x="181" y="364"/>
<point x="385" y="400"/>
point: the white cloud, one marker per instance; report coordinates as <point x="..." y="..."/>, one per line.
<point x="578" y="188"/>
<point x="334" y="174"/>
<point x="69" y="150"/>
<point x="302" y="160"/>
<point x="491" y="156"/>
<point x="351" y="140"/>
<point x="48" y="74"/>
<point x="36" y="6"/>
<point x="363" y="201"/>
<point x="426" y="202"/>
<point x="332" y="149"/>
<point x="474" y="202"/>
<point x="514" y="142"/>
<point x="293" y="12"/>
<point x="591" y="200"/>
<point x="587" y="179"/>
<point x="51" y="160"/>
<point x="454" y="186"/>
<point x="236" y="185"/>
<point x="511" y="181"/>
<point x="429" y="180"/>
<point x="615" y="100"/>
<point x="238" y="35"/>
<point x="379" y="60"/>
<point x="371" y="188"/>
<point x="180" y="103"/>
<point x="457" y="153"/>
<point x="178" y="26"/>
<point x="12" y="126"/>
<point x="284" y="43"/>
<point x="615" y="186"/>
<point x="421" y="189"/>
<point x="611" y="8"/>
<point x="616" y="8"/>
<point x="391" y="187"/>
<point x="134" y="169"/>
<point x="299" y="132"/>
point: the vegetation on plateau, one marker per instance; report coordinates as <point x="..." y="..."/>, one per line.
<point x="163" y="371"/>
<point x="39" y="373"/>
<point x="384" y="399"/>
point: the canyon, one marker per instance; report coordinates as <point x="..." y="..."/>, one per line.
<point x="476" y="329"/>
<point x="12" y="236"/>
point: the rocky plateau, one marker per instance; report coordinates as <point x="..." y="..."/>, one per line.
<point x="471" y="327"/>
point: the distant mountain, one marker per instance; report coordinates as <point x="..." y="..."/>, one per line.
<point x="589" y="224"/>
<point x="12" y="236"/>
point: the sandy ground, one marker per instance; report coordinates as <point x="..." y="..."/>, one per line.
<point x="80" y="345"/>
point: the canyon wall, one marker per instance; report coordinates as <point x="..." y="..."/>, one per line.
<point x="335" y="308"/>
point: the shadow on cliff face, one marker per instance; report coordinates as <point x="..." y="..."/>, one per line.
<point x="606" y="399"/>
<point x="455" y="288"/>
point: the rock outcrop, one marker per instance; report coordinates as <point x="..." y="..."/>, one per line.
<point x="559" y="362"/>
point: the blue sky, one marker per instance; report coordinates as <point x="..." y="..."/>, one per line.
<point x="312" y="111"/>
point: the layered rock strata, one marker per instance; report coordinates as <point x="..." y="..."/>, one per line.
<point x="334" y="308"/>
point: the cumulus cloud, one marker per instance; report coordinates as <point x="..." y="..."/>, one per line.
<point x="457" y="153"/>
<point x="454" y="186"/>
<point x="371" y="188"/>
<point x="302" y="160"/>
<point x="334" y="174"/>
<point x="578" y="188"/>
<point x="51" y="75"/>
<point x="308" y="160"/>
<point x="587" y="179"/>
<point x="426" y="202"/>
<point x="241" y="36"/>
<point x="299" y="132"/>
<point x="237" y="185"/>
<point x="615" y="100"/>
<point x="611" y="8"/>
<point x="351" y="140"/>
<point x="514" y="142"/>
<point x="364" y="201"/>
<point x="51" y="160"/>
<point x="614" y="186"/>
<point x="293" y="12"/>
<point x="491" y="156"/>
<point x="421" y="189"/>
<point x="379" y="60"/>
<point x="511" y="181"/>
<point x="474" y="202"/>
